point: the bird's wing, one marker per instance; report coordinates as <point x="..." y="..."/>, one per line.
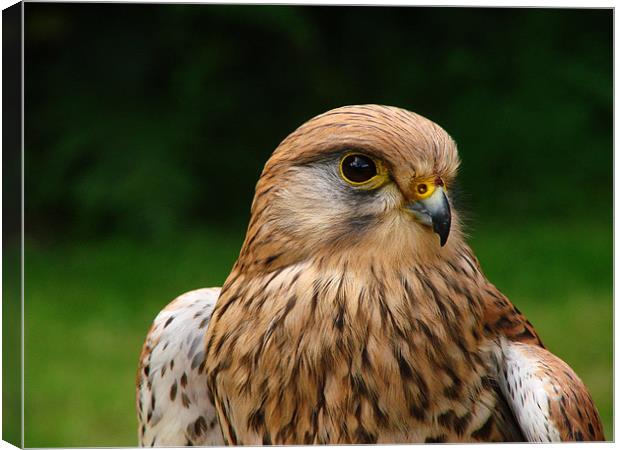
<point x="171" y="387"/>
<point x="547" y="398"/>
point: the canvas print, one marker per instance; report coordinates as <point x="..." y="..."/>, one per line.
<point x="255" y="225"/>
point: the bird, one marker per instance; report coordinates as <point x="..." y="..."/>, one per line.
<point x="356" y="313"/>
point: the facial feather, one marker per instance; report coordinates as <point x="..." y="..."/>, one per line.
<point x="303" y="207"/>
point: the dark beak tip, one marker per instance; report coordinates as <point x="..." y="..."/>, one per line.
<point x="443" y="231"/>
<point x="442" y="240"/>
<point x="443" y="222"/>
<point x="441" y="226"/>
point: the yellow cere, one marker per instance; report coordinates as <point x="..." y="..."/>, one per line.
<point x="423" y="189"/>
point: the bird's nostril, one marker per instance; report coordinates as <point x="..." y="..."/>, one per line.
<point x="438" y="181"/>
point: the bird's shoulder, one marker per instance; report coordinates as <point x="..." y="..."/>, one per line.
<point x="549" y="401"/>
<point x="171" y="390"/>
<point x="500" y="317"/>
<point x="547" y="398"/>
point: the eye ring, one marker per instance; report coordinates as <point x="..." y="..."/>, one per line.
<point x="358" y="169"/>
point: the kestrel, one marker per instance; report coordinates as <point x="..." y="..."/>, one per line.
<point x="356" y="312"/>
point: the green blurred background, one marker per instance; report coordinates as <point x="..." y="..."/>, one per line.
<point x="147" y="127"/>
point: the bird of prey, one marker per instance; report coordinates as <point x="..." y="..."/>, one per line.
<point x="356" y="312"/>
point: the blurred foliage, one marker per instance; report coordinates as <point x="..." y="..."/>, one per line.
<point x="147" y="127"/>
<point x="142" y="119"/>
<point x="11" y="345"/>
<point x="11" y="224"/>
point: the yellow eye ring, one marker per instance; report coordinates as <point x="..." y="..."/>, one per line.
<point x="358" y="169"/>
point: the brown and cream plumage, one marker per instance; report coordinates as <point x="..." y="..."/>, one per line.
<point x="356" y="312"/>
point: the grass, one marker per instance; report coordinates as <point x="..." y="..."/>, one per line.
<point x="89" y="304"/>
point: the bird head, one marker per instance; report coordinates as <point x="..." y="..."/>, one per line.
<point x="358" y="177"/>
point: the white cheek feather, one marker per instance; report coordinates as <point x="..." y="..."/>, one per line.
<point x="317" y="204"/>
<point x="523" y="384"/>
<point x="173" y="403"/>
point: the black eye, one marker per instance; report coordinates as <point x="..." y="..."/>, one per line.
<point x="358" y="168"/>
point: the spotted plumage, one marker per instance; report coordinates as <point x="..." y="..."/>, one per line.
<point x="356" y="312"/>
<point x="171" y="395"/>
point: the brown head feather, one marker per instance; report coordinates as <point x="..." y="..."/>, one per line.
<point x="287" y="212"/>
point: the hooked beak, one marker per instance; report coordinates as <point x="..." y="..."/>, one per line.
<point x="434" y="211"/>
